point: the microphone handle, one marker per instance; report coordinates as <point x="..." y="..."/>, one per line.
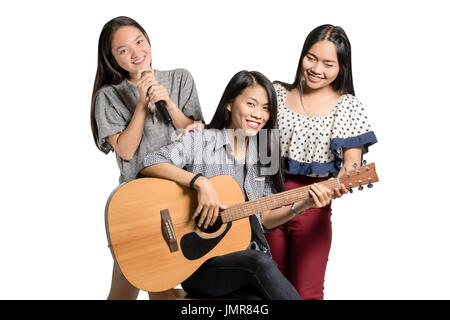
<point x="161" y="106"/>
<point x="162" y="110"/>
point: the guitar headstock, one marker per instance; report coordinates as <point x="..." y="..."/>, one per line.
<point x="360" y="176"/>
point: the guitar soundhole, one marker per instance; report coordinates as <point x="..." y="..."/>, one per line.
<point x="210" y="229"/>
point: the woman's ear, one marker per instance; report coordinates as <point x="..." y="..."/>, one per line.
<point x="229" y="107"/>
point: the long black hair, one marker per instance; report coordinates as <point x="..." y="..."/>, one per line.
<point x="344" y="81"/>
<point x="108" y="70"/>
<point x="222" y="117"/>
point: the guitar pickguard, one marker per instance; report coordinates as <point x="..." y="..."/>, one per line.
<point x="194" y="247"/>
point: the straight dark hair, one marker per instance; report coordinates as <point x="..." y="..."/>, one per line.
<point x="344" y="81"/>
<point x="222" y="117"/>
<point x="108" y="70"/>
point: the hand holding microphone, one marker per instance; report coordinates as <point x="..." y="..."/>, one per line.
<point x="156" y="94"/>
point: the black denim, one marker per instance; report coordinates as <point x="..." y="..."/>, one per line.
<point x="247" y="274"/>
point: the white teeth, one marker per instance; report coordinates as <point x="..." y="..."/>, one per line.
<point x="253" y="123"/>
<point x="314" y="78"/>
<point x="139" y="61"/>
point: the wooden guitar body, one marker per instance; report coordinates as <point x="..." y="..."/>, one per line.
<point x="156" y="254"/>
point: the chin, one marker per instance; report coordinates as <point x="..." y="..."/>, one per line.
<point x="251" y="132"/>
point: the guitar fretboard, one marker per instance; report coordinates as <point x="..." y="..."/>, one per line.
<point x="274" y="201"/>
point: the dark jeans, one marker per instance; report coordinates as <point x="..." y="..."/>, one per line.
<point x="247" y="274"/>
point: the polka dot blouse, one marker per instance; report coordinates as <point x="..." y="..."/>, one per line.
<point x="313" y="146"/>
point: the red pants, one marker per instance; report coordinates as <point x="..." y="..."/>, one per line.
<point x="301" y="246"/>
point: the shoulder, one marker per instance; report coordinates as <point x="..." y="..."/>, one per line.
<point x="104" y="96"/>
<point x="281" y="93"/>
<point x="106" y="91"/>
<point x="113" y="91"/>
<point x="349" y="103"/>
<point x="178" y="73"/>
<point x="350" y="100"/>
<point x="279" y="88"/>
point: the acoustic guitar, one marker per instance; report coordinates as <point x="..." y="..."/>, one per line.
<point x="157" y="245"/>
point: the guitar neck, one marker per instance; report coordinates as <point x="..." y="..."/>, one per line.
<point x="274" y="201"/>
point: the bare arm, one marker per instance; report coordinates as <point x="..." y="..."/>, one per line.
<point x="126" y="143"/>
<point x="351" y="156"/>
<point x="179" y="120"/>
<point x="170" y="172"/>
<point x="208" y="201"/>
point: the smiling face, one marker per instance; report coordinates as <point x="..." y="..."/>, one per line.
<point x="320" y="65"/>
<point x="250" y="110"/>
<point x="131" y="50"/>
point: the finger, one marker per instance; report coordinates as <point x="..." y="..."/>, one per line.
<point x="146" y="79"/>
<point x="145" y="73"/>
<point x="157" y="94"/>
<point x="182" y="133"/>
<point x="215" y="215"/>
<point x="222" y="206"/>
<point x="203" y="215"/>
<point x="327" y="194"/>
<point x="325" y="190"/>
<point x="151" y="91"/>
<point x="149" y="76"/>
<point x="197" y="211"/>
<point x="145" y="84"/>
<point x="315" y="199"/>
<point x="337" y="193"/>
<point x="344" y="190"/>
<point x="144" y="88"/>
<point x="318" y="193"/>
<point x="208" y="217"/>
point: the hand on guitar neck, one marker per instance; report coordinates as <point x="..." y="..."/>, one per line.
<point x="320" y="196"/>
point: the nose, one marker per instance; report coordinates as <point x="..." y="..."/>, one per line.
<point x="133" y="52"/>
<point x="257" y="112"/>
<point x="316" y="68"/>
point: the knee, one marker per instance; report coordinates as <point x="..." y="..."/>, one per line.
<point x="265" y="264"/>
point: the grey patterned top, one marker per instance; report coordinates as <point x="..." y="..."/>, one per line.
<point x="115" y="105"/>
<point x="209" y="152"/>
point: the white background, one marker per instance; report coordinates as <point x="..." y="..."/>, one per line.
<point x="389" y="242"/>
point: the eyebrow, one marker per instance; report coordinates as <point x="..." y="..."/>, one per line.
<point x="123" y="46"/>
<point x="312" y="54"/>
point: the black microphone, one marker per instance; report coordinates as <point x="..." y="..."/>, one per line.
<point x="161" y="106"/>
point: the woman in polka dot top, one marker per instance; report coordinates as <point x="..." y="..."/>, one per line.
<point x="323" y="128"/>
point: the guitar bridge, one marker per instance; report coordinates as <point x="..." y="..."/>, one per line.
<point x="168" y="230"/>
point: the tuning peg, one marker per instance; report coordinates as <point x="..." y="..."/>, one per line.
<point x="364" y="162"/>
<point x="360" y="188"/>
<point x="350" y="186"/>
<point x="355" y="165"/>
<point x="369" y="185"/>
